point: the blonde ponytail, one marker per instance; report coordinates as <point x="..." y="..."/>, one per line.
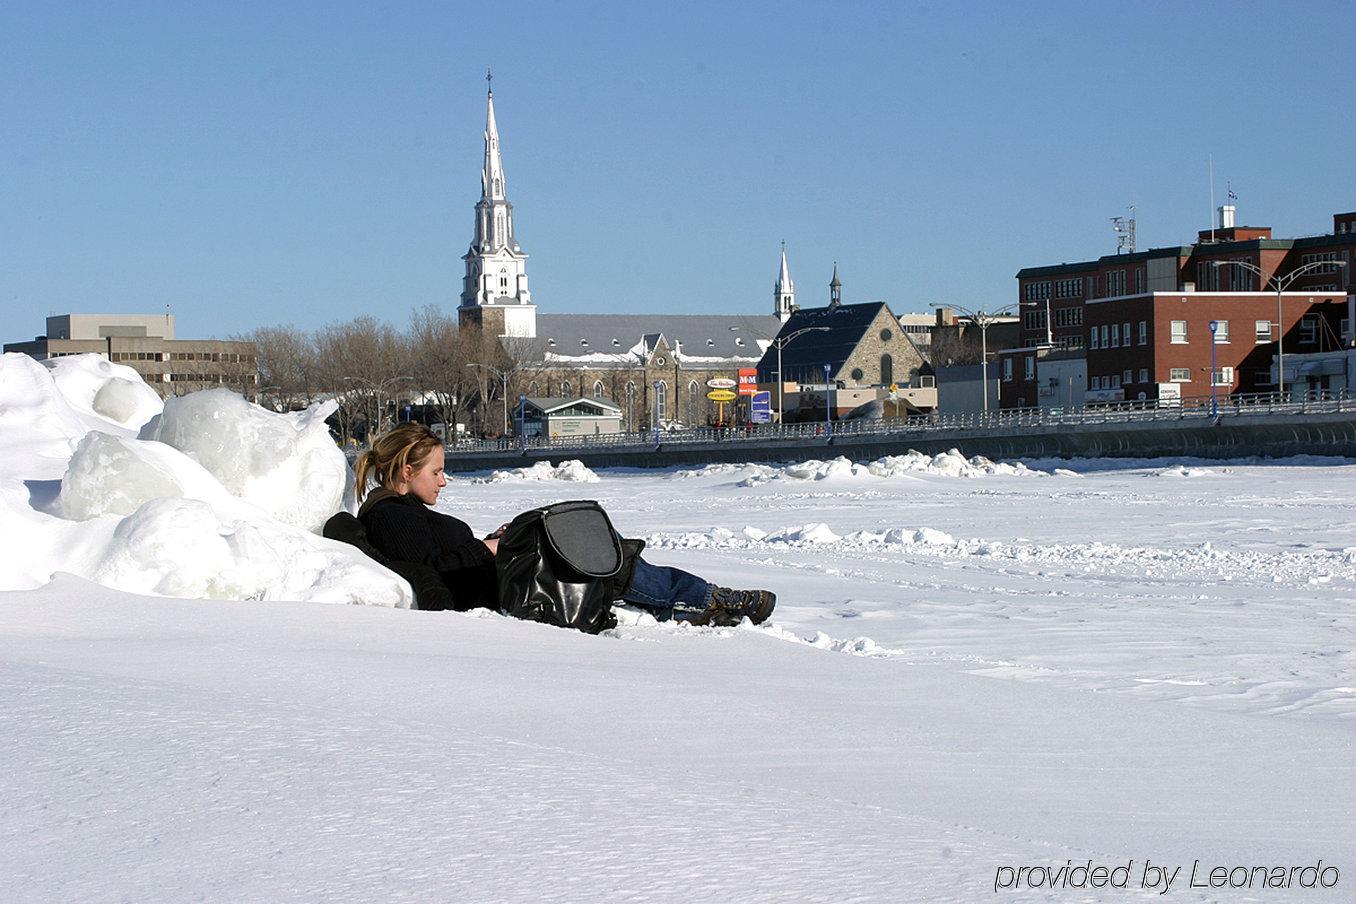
<point x="406" y="444"/>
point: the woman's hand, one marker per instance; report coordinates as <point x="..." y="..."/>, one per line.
<point x="493" y="544"/>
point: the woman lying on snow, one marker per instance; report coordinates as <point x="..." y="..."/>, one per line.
<point x="406" y="464"/>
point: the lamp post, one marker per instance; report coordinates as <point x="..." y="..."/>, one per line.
<point x="984" y="319"/>
<point x="656" y="412"/>
<point x="504" y="376"/>
<point x="1280" y="283"/>
<point x="828" y="420"/>
<point x="522" y="420"/>
<point x="379" y="389"/>
<point x="1214" y="398"/>
<point x="779" y="343"/>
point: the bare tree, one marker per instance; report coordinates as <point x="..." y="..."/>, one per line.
<point x="951" y="345"/>
<point x="439" y="354"/>
<point x="364" y="363"/>
<point x="286" y="360"/>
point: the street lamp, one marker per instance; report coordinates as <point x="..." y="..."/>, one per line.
<point x="779" y="343"/>
<point x="379" y="389"/>
<point x="828" y="420"/>
<point x="504" y="376"/>
<point x="1280" y="283"/>
<point x="984" y="319"/>
<point x="1214" y="398"/>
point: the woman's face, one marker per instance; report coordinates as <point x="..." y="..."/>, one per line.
<point x="425" y="481"/>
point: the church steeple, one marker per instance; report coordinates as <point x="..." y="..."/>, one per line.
<point x="496" y="267"/>
<point x="492" y="175"/>
<point x="784" y="292"/>
<point x="835" y="288"/>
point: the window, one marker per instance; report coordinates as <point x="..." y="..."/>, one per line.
<point x="1139" y="280"/>
<point x="857" y="374"/>
<point x="1309" y="328"/>
<point x="1030" y="370"/>
<point x="661" y="400"/>
<point x="1221" y="332"/>
<point x="1069" y="317"/>
<point x="1144" y="332"/>
<point x="532" y="388"/>
<point x="1223" y="377"/>
<point x="598" y="390"/>
<point x="886" y="335"/>
<point x="1108" y="337"/>
<point x="1179" y="332"/>
<point x="1115" y="381"/>
<point x="1125" y="335"/>
<point x="1318" y="258"/>
<point x="565" y="388"/>
<point x="1263" y="328"/>
<point x="1180" y="375"/>
<point x="1034" y="320"/>
<point x="1127" y="376"/>
<point x="1115" y="283"/>
<point x="1007" y="370"/>
<point x="1093" y="342"/>
<point x="1144" y="375"/>
<point x="1095" y="383"/>
<point x="693" y="392"/>
<point x="887" y="370"/>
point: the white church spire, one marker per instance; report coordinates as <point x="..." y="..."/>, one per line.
<point x="784" y="292"/>
<point x="492" y="175"/>
<point x="496" y="267"/>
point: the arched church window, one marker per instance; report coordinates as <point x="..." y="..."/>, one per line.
<point x="692" y="395"/>
<point x="565" y="388"/>
<point x="661" y="400"/>
<point x="887" y="370"/>
<point x="532" y="388"/>
<point x="598" y="392"/>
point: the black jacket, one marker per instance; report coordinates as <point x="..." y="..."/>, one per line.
<point x="404" y="529"/>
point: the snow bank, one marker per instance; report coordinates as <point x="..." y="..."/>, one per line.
<point x="219" y="511"/>
<point x="944" y="464"/>
<point x="286" y="464"/>
<point x="572" y="471"/>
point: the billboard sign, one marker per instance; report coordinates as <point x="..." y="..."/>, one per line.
<point x="720" y="383"/>
<point x="748" y="380"/>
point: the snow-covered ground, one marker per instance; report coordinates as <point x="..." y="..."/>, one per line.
<point x="973" y="666"/>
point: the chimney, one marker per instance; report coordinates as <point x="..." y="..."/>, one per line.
<point x="1226" y="216"/>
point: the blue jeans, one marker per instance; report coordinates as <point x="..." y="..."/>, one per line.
<point x="668" y="592"/>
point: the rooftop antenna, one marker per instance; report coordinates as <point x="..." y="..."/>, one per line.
<point x="1124" y="227"/>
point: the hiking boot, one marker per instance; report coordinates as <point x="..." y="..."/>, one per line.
<point x="730" y="607"/>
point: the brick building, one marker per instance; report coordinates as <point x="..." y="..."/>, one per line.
<point x="1141" y="320"/>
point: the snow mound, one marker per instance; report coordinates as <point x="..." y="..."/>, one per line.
<point x="40" y="425"/>
<point x="572" y="471"/>
<point x="944" y="464"/>
<point x="286" y="464"/>
<point x="81" y="494"/>
<point x="188" y="548"/>
<point x="809" y="533"/>
<point x="1181" y="471"/>
<point x="97" y="387"/>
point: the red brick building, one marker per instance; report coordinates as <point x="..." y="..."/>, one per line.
<point x="1142" y="319"/>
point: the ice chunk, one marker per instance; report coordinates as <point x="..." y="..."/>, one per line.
<point x="116" y="475"/>
<point x="286" y="464"/>
<point x="571" y="471"/>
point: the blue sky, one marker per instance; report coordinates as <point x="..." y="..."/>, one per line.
<point x="254" y="164"/>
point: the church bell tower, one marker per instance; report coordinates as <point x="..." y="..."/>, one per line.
<point x="494" y="293"/>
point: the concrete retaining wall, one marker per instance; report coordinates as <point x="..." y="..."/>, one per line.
<point x="1269" y="436"/>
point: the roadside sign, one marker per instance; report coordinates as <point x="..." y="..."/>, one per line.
<point x="721" y="395"/>
<point x="748" y="380"/>
<point x="721" y="383"/>
<point x="760" y="408"/>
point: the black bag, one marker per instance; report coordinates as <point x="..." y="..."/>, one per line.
<point x="559" y="565"/>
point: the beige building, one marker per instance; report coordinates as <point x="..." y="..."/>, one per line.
<point x="146" y="343"/>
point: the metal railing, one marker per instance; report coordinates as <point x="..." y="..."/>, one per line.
<point x="930" y="425"/>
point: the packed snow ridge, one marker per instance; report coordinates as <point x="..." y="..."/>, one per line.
<point x="572" y="471"/>
<point x="205" y="496"/>
<point x="944" y="464"/>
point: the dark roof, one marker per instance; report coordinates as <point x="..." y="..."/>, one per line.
<point x="846" y="323"/>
